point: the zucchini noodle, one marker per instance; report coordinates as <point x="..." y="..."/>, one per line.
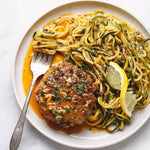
<point x="91" y="41"/>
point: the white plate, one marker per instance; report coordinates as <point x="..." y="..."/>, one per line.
<point x="85" y="139"/>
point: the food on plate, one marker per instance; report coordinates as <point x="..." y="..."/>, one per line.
<point x="115" y="56"/>
<point x="65" y="95"/>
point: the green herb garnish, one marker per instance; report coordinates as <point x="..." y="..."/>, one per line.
<point x="92" y="51"/>
<point x="55" y="23"/>
<point x="42" y="36"/>
<point x="42" y="93"/>
<point x="54" y="98"/>
<point x="53" y="72"/>
<point x="80" y="75"/>
<point x="59" y="100"/>
<point x="80" y="87"/>
<point x="57" y="112"/>
<point x="128" y="75"/>
<point x="107" y="50"/>
<point x="66" y="109"/>
<point x="83" y="44"/>
<point x="57" y="91"/>
<point x="125" y="31"/>
<point x="45" y="31"/>
<point x="34" y="34"/>
<point x="114" y="94"/>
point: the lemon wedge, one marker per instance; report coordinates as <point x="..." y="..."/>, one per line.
<point x="128" y="102"/>
<point x="117" y="78"/>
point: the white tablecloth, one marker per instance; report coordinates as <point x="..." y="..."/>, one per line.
<point x="16" y="17"/>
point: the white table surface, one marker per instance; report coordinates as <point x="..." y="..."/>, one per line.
<point x="16" y="17"/>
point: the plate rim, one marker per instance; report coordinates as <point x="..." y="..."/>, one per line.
<point x="14" y="69"/>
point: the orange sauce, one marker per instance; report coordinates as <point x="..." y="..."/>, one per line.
<point x="27" y="79"/>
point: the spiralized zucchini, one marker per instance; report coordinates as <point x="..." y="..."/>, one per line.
<point x="91" y="41"/>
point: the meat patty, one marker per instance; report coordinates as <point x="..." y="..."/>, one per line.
<point x="65" y="95"/>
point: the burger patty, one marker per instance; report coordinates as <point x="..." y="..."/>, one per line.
<point x="65" y="95"/>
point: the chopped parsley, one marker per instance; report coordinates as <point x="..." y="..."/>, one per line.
<point x="80" y="88"/>
<point x="55" y="23"/>
<point x="57" y="112"/>
<point x="80" y="75"/>
<point x="42" y="93"/>
<point x="107" y="49"/>
<point x="54" y="98"/>
<point x="92" y="51"/>
<point x="34" y="34"/>
<point x="66" y="109"/>
<point x="125" y="31"/>
<point x="83" y="44"/>
<point x="59" y="100"/>
<point x="128" y="75"/>
<point x="53" y="72"/>
<point x="57" y="91"/>
<point x="42" y="36"/>
<point x="45" y="31"/>
<point x="114" y="94"/>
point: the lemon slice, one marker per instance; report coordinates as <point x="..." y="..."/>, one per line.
<point x="128" y="102"/>
<point x="117" y="78"/>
